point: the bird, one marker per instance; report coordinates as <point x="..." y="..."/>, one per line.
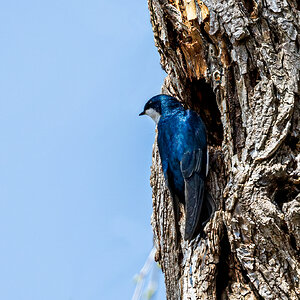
<point x="182" y="145"/>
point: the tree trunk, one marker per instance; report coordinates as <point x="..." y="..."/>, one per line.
<point x="237" y="63"/>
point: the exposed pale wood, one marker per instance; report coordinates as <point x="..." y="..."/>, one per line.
<point x="247" y="53"/>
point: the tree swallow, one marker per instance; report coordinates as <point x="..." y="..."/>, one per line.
<point x="182" y="147"/>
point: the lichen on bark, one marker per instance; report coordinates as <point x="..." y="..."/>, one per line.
<point x="237" y="63"/>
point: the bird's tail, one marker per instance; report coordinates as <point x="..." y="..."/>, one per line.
<point x="207" y="211"/>
<point x="209" y="208"/>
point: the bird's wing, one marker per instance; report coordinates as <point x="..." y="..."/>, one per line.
<point x="191" y="165"/>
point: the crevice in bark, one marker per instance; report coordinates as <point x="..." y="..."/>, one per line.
<point x="294" y="244"/>
<point x="249" y="283"/>
<point x="253" y="76"/>
<point x="203" y="32"/>
<point x="274" y="35"/>
<point x="223" y="269"/>
<point x="172" y="37"/>
<point x="249" y="5"/>
<point x="238" y="131"/>
<point x="290" y="236"/>
<point x="285" y="191"/>
<point x="292" y="142"/>
<point x="297" y="45"/>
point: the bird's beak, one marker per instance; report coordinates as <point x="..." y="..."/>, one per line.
<point x="142" y="113"/>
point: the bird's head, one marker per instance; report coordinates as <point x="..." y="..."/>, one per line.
<point x="153" y="109"/>
<point x="160" y="105"/>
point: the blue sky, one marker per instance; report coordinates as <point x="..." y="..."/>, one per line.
<point x="75" y="200"/>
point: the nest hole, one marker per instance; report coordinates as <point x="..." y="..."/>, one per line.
<point x="203" y="101"/>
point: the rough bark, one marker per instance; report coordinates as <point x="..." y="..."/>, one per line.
<point x="237" y="63"/>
